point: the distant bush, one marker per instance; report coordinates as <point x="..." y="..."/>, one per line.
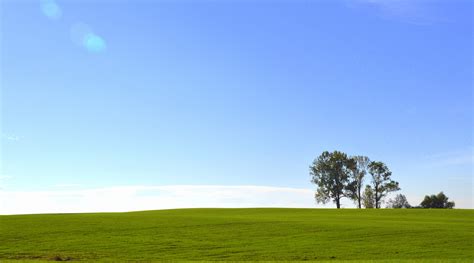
<point x="437" y="201"/>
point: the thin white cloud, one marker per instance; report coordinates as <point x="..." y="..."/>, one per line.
<point x="3" y="177"/>
<point x="416" y="12"/>
<point x="135" y="198"/>
<point x="459" y="157"/>
<point x="10" y="137"/>
<point x="66" y="185"/>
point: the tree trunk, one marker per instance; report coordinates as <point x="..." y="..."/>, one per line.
<point x="376" y="190"/>
<point x="358" y="196"/>
<point x="338" y="203"/>
<point x="376" y="201"/>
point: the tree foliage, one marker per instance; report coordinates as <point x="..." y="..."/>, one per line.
<point x="337" y="176"/>
<point x="437" y="201"/>
<point x="400" y="201"/>
<point x="381" y="182"/>
<point x="368" y="199"/>
<point x="330" y="172"/>
<point x="358" y="166"/>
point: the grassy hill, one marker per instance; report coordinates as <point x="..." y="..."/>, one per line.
<point x="242" y="234"/>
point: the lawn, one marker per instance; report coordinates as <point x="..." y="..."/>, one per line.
<point x="263" y="234"/>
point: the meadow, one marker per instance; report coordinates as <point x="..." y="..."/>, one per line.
<point x="252" y="234"/>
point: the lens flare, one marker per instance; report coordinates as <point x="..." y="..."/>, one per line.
<point x="78" y="33"/>
<point x="82" y="35"/>
<point x="94" y="43"/>
<point x="51" y="9"/>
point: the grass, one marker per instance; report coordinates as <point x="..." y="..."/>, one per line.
<point x="388" y="235"/>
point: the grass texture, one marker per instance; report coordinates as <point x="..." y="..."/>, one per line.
<point x="252" y="234"/>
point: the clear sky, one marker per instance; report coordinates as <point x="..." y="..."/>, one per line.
<point x="101" y="94"/>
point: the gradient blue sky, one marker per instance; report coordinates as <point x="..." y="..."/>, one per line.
<point x="235" y="92"/>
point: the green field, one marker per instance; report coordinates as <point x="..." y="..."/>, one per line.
<point x="267" y="234"/>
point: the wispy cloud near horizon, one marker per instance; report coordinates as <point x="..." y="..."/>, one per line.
<point x="136" y="198"/>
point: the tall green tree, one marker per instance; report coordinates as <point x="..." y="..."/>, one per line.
<point x="368" y="197"/>
<point x="330" y="172"/>
<point x="381" y="181"/>
<point x="399" y="201"/>
<point x="358" y="166"/>
<point x="437" y="201"/>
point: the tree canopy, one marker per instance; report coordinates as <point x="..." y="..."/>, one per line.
<point x="368" y="197"/>
<point x="337" y="175"/>
<point x="400" y="201"/>
<point x="381" y="181"/>
<point x="358" y="166"/>
<point x="330" y="172"/>
<point x="437" y="201"/>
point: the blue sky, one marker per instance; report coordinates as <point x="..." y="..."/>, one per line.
<point x="99" y="94"/>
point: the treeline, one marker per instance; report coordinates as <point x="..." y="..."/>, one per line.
<point x="439" y="200"/>
<point x="338" y="176"/>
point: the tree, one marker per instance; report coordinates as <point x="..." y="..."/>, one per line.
<point x="381" y="181"/>
<point x="437" y="201"/>
<point x="368" y="197"/>
<point x="400" y="201"/>
<point x="330" y="173"/>
<point x="358" y="167"/>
